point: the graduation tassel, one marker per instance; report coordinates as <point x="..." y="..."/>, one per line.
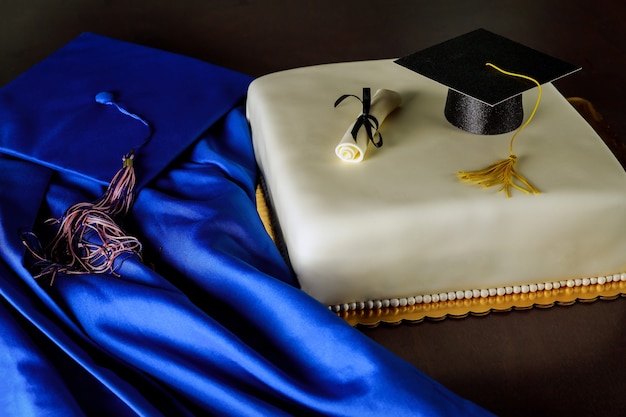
<point x="503" y="172"/>
<point x="89" y="239"/>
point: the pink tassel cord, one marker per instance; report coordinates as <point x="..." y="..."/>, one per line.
<point x="88" y="239"/>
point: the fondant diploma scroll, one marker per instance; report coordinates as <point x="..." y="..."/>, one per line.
<point x="353" y="145"/>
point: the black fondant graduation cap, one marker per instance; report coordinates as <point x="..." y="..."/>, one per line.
<point x="481" y="99"/>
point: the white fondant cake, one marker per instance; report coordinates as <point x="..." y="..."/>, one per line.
<point x="400" y="225"/>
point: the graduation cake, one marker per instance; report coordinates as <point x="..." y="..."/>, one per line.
<point x="403" y="223"/>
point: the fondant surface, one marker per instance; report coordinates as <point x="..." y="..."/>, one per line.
<point x="400" y="223"/>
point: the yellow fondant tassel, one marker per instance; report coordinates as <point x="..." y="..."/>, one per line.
<point x="503" y="172"/>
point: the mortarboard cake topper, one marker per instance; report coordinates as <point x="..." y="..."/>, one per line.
<point x="480" y="99"/>
<point x="486" y="75"/>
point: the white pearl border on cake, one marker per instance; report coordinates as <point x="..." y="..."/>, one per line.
<point x="469" y="294"/>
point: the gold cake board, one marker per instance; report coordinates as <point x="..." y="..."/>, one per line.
<point x="483" y="306"/>
<point x="475" y="306"/>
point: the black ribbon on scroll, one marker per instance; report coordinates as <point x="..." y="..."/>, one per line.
<point x="365" y="120"/>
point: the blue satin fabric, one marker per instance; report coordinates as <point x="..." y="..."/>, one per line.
<point x="211" y="323"/>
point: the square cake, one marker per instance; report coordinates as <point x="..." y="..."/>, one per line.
<point x="400" y="225"/>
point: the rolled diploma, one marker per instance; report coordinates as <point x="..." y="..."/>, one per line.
<point x="383" y="103"/>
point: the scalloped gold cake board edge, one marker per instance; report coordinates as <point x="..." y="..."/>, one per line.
<point x="483" y="306"/>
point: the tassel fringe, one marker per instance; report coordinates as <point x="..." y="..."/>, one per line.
<point x="88" y="239"/>
<point x="500" y="173"/>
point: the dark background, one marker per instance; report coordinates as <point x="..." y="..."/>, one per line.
<point x="561" y="361"/>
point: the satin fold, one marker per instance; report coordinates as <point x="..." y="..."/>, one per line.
<point x="211" y="320"/>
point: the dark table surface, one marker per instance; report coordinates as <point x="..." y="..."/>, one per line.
<point x="561" y="361"/>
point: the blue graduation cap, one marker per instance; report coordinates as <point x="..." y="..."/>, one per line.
<point x="50" y="114"/>
<point x="114" y="112"/>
